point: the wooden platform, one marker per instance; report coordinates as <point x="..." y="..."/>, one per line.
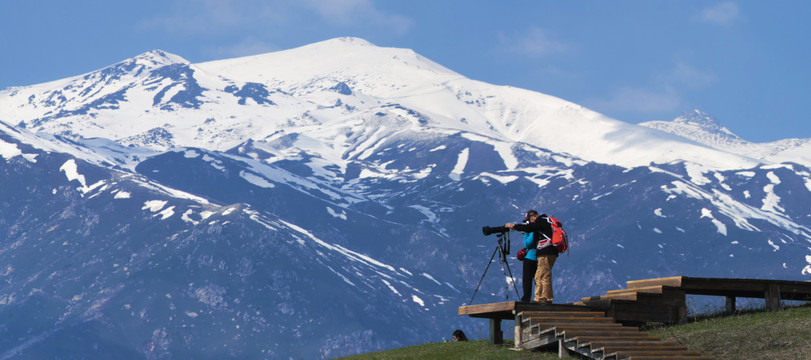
<point x="593" y="326"/>
<point x="664" y="299"/>
<point x="508" y="310"/>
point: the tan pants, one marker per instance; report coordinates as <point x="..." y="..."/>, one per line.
<point x="543" y="278"/>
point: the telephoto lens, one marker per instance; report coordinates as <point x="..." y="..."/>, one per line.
<point x="488" y="230"/>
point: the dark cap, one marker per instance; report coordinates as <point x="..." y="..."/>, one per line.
<point x="530" y="213"/>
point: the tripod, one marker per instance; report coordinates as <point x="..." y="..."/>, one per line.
<point x="502" y="249"/>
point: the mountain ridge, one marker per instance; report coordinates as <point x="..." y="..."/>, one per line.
<point x="401" y="80"/>
<point x="704" y="129"/>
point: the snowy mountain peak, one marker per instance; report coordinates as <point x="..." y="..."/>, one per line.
<point x="379" y="71"/>
<point x="699" y="118"/>
<point x="343" y="42"/>
<point x="698" y="126"/>
<point x="702" y="128"/>
<point x="157" y="58"/>
<point x="135" y="66"/>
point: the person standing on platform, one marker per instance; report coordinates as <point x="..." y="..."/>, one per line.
<point x="545" y="253"/>
<point x="530" y="266"/>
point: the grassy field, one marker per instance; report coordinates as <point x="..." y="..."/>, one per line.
<point x="752" y="335"/>
<point x="466" y="350"/>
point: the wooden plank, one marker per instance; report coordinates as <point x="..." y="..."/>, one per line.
<point x="595" y="321"/>
<point x="728" y="286"/>
<point x="654" y="357"/>
<point x="603" y="343"/>
<point x="655" y="289"/>
<point x="589" y="339"/>
<point x="745" y="287"/>
<point x="641" y="298"/>
<point x="564" y="313"/>
<point x="484" y="309"/>
<point x="541" y="320"/>
<point x="595" y="329"/>
<point x="669" y="354"/>
<point x="592" y="333"/>
<point x="639" y="348"/>
<point x="675" y="281"/>
<point x="537" y="342"/>
<point x="603" y="329"/>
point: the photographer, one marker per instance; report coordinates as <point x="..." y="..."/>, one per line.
<point x="530" y="266"/>
<point x="546" y="255"/>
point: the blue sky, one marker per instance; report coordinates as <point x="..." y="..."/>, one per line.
<point x="744" y="62"/>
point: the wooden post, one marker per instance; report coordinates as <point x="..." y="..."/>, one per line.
<point x="561" y="349"/>
<point x="518" y="332"/>
<point x="730" y="304"/>
<point x="682" y="314"/>
<point x="772" y="297"/>
<point x="496" y="335"/>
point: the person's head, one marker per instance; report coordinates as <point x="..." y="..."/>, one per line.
<point x="459" y="335"/>
<point x="532" y="215"/>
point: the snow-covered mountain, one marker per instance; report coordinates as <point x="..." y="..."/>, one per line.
<point x="704" y="129"/>
<point x="328" y="200"/>
<point x="162" y="101"/>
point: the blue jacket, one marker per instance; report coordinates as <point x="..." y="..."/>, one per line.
<point x="529" y="244"/>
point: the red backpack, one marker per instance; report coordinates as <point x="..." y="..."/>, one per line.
<point x="559" y="237"/>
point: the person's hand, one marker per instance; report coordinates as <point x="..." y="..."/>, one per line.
<point x="509" y="225"/>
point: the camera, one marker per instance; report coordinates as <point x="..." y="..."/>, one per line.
<point x="487" y="230"/>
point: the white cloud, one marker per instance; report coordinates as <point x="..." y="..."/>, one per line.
<point x="534" y="43"/>
<point x="723" y="14"/>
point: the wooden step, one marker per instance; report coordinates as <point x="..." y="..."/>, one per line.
<point x="675" y="281"/>
<point x="558" y="330"/>
<point x="545" y="320"/>
<point x="668" y="354"/>
<point x="585" y="339"/>
<point x="571" y="333"/>
<point x="669" y="297"/>
<point x="564" y="323"/>
<point x="564" y="318"/>
<point x="675" y="357"/>
<point x="638" y="348"/>
<point x="564" y="313"/>
<point x="655" y="289"/>
<point x="610" y="342"/>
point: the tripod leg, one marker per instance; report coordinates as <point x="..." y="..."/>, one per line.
<point x="503" y="260"/>
<point x="513" y="280"/>
<point x="485" y="273"/>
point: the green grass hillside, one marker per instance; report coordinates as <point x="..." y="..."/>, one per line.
<point x="753" y="335"/>
<point x="784" y="334"/>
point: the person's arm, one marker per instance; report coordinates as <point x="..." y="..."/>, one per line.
<point x="538" y="225"/>
<point x="531" y="227"/>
